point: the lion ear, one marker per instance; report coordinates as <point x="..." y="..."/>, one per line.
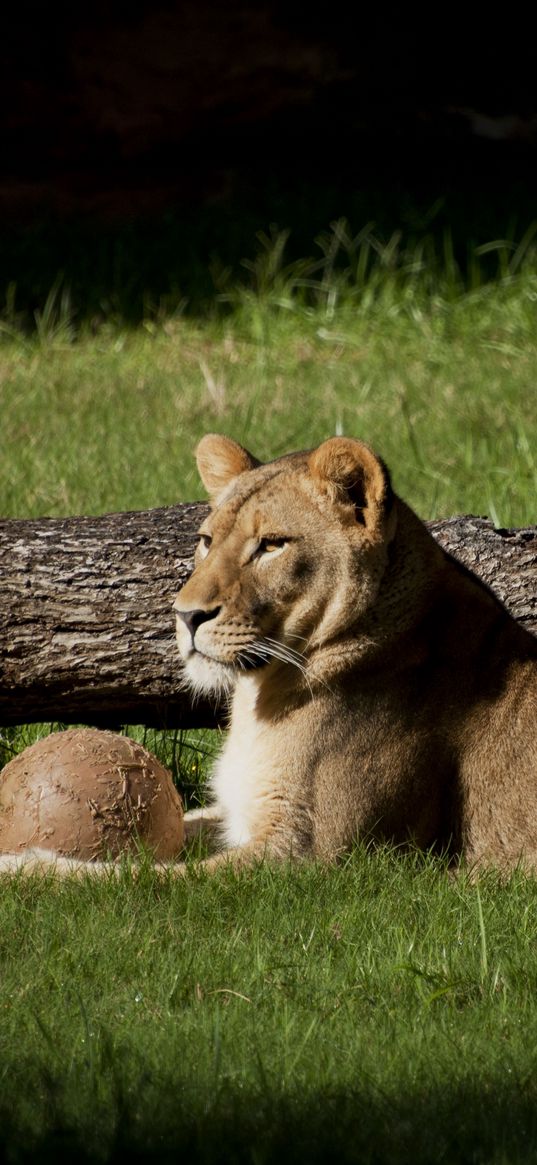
<point x="353" y="474"/>
<point x="219" y="460"/>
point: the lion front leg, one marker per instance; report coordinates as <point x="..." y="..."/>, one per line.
<point x="31" y="861"/>
<point x="237" y="857"/>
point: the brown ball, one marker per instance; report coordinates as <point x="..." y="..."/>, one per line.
<point x="89" y="794"/>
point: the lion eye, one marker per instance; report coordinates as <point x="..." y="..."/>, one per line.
<point x="271" y="545"/>
<point x="204" y="545"/>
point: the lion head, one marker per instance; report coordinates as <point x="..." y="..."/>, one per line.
<point x="289" y="559"/>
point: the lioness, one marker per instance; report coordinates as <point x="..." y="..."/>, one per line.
<point x="378" y="688"/>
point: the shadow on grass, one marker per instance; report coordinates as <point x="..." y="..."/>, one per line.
<point x="485" y="1123"/>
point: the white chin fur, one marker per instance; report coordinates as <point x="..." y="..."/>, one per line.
<point x="208" y="677"/>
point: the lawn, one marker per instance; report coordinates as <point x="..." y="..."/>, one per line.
<point x="438" y="377"/>
<point x="374" y="1012"/>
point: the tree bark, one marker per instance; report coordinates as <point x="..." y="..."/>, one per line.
<point x="86" y="622"/>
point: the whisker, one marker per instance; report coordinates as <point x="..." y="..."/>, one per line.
<point x="277" y="650"/>
<point x="249" y="654"/>
<point x="290" y="655"/>
<point x="267" y="648"/>
<point x="291" y="651"/>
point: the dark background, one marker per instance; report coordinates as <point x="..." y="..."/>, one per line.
<point x="169" y="133"/>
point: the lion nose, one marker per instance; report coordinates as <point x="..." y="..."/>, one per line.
<point x="194" y="619"/>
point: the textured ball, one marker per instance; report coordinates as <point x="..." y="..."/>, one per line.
<point x="89" y="794"/>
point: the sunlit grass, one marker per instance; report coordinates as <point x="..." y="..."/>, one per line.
<point x="253" y="1006"/>
<point x="445" y="391"/>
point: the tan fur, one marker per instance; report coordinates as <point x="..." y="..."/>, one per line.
<point x="395" y="697"/>
<point x="412" y="715"/>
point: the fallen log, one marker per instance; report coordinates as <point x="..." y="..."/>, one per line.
<point x="86" y="622"/>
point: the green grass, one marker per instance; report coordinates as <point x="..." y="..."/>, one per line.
<point x="375" y="1012"/>
<point x="440" y="380"/>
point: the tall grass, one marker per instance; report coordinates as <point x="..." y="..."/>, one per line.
<point x="370" y="339"/>
<point x="350" y="268"/>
